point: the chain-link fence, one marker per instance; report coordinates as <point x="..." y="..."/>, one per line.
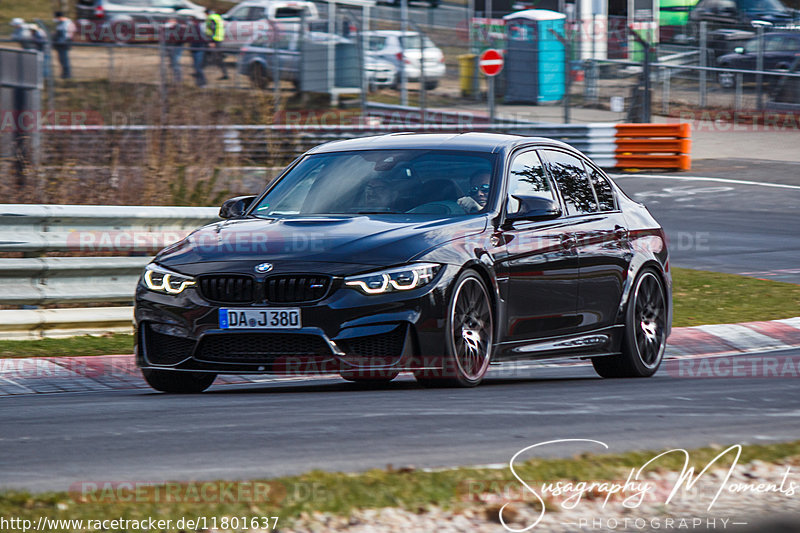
<point x="587" y="69"/>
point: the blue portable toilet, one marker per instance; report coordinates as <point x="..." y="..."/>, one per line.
<point x="534" y="60"/>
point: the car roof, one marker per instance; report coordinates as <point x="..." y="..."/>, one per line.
<point x="390" y="33"/>
<point x="267" y="3"/>
<point x="470" y="141"/>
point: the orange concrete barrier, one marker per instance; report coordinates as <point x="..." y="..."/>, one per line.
<point x="654" y="146"/>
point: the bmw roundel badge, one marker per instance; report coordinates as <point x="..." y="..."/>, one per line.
<point x="263" y="268"/>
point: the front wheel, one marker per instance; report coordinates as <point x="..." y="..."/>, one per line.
<point x="177" y="382"/>
<point x="470" y="334"/>
<point x="645" y="332"/>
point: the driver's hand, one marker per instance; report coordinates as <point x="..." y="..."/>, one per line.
<point x="468" y="204"/>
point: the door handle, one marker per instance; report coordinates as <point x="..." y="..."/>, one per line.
<point x="568" y="240"/>
<point x="620" y="233"/>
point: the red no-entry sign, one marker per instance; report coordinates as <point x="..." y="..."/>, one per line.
<point x="491" y="62"/>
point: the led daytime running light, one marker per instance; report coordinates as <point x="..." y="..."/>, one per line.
<point x="420" y="274"/>
<point x="165" y="284"/>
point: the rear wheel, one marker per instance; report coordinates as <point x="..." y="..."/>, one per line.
<point x="431" y="85"/>
<point x="258" y="74"/>
<point x="645" y="335"/>
<point x="470" y="334"/>
<point x="177" y="382"/>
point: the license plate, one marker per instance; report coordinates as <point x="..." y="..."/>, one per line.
<point x="278" y="318"/>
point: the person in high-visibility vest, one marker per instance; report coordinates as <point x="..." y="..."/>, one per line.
<point x="215" y="31"/>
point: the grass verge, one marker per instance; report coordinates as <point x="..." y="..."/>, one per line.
<point x="82" y="345"/>
<point x="699" y="297"/>
<point x="339" y="493"/>
<point x="702" y="297"/>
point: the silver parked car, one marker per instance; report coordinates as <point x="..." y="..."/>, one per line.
<point x="261" y="58"/>
<point x="131" y="20"/>
<point x="252" y="18"/>
<point x="406" y="52"/>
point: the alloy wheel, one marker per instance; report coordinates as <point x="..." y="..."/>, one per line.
<point x="471" y="329"/>
<point x="649" y="320"/>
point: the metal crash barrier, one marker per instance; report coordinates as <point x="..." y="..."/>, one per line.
<point x="101" y="251"/>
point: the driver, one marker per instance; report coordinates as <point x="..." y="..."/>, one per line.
<point x="478" y="193"/>
<point x="377" y="193"/>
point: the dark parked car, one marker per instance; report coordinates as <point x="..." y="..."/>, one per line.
<point x="780" y="51"/>
<point x="740" y="14"/>
<point x="260" y="59"/>
<point x="430" y="253"/>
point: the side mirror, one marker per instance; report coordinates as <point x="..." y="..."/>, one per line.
<point x="739" y="49"/>
<point x="235" y="207"/>
<point x="535" y="208"/>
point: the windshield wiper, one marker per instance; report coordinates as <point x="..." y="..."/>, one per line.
<point x="378" y="213"/>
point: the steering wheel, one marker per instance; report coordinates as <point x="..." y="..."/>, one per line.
<point x="446" y="207"/>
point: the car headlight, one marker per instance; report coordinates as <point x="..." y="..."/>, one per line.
<point x="160" y="279"/>
<point x="394" y="279"/>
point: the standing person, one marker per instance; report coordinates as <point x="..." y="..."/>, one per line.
<point x="215" y="31"/>
<point x="62" y="39"/>
<point x="21" y="33"/>
<point x="38" y="37"/>
<point x="198" y="43"/>
<point x="174" y="37"/>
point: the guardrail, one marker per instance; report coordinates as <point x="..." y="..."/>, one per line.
<point x="282" y="143"/>
<point x="102" y="251"/>
<point x="654" y="146"/>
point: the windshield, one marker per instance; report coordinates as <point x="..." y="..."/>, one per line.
<point x="763" y="6"/>
<point x="433" y="182"/>
<point x="413" y="41"/>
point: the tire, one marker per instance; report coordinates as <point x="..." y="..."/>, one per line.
<point x="645" y="336"/>
<point x="431" y="85"/>
<point x="177" y="382"/>
<point x="470" y="334"/>
<point x="259" y="76"/>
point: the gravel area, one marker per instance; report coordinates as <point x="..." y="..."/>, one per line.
<point x="758" y="497"/>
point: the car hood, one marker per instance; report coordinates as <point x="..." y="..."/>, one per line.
<point x="379" y="240"/>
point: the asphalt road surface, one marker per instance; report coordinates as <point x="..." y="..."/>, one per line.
<point x="53" y="442"/>
<point x="727" y="224"/>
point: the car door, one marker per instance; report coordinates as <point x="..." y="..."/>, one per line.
<point x="601" y="237"/>
<point x="778" y="52"/>
<point x="538" y="262"/>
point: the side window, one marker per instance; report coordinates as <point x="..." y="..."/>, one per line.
<point x="527" y="178"/>
<point x="779" y="44"/>
<point x="237" y="13"/>
<point x="602" y="189"/>
<point x="570" y="176"/>
<point x="376" y="43"/>
<point x="256" y="13"/>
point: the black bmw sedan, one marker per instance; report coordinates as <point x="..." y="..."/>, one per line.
<point x="437" y="254"/>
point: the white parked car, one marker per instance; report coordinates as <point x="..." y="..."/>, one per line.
<point x="254" y="18"/>
<point x="406" y="51"/>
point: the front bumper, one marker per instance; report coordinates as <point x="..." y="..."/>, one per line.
<point x="344" y="331"/>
